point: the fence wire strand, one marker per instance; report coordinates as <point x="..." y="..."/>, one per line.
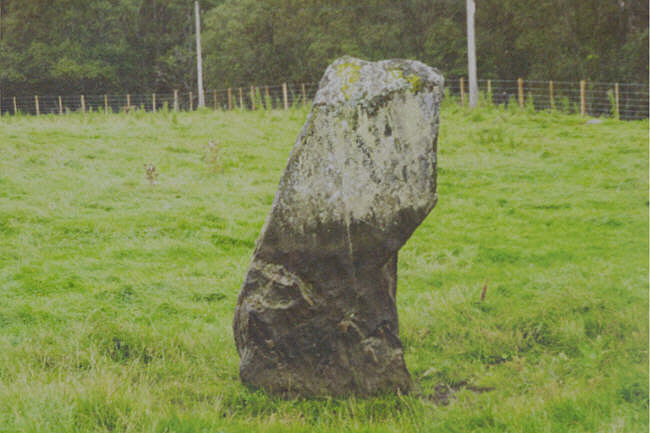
<point x="600" y="99"/>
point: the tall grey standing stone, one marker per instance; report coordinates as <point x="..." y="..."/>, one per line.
<point x="316" y="314"/>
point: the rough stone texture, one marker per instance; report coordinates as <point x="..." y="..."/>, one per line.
<point x="316" y="314"/>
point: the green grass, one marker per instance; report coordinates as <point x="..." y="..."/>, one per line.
<point x="117" y="296"/>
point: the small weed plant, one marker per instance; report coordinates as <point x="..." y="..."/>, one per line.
<point x="151" y="174"/>
<point x="213" y="156"/>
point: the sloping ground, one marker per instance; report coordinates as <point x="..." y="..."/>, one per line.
<point x="117" y="295"/>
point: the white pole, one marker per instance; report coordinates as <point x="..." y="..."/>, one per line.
<point x="199" y="60"/>
<point x="471" y="54"/>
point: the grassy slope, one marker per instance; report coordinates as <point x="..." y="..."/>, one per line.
<point x="117" y="296"/>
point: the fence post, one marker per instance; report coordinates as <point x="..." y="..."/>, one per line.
<point x="83" y="104"/>
<point x="252" y="98"/>
<point x="304" y="95"/>
<point x="214" y="98"/>
<point x="241" y="99"/>
<point x="489" y="92"/>
<point x="191" y="100"/>
<point x="550" y="95"/>
<point x="267" y="98"/>
<point x="520" y="91"/>
<point x="60" y="106"/>
<point x="462" y="91"/>
<point x="153" y="102"/>
<point x="229" y="98"/>
<point x="583" y="102"/>
<point x="105" y="103"/>
<point x="38" y="111"/>
<point x="285" y="97"/>
<point x="128" y="102"/>
<point x="616" y="106"/>
<point x="175" y="100"/>
<point x="15" y="106"/>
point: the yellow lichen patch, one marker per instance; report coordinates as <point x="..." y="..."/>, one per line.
<point x="416" y="82"/>
<point x="397" y="74"/>
<point x="349" y="74"/>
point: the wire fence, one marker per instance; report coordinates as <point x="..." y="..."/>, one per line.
<point x="627" y="101"/>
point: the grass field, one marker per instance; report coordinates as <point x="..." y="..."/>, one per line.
<point x="117" y="295"/>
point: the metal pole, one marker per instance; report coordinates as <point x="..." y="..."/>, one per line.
<point x="199" y="60"/>
<point x="471" y="54"/>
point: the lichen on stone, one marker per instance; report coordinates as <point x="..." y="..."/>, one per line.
<point x="416" y="82"/>
<point x="351" y="82"/>
<point x="349" y="74"/>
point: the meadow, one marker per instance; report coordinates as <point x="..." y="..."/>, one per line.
<point x="118" y="282"/>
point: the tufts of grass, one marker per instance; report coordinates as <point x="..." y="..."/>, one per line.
<point x="117" y="298"/>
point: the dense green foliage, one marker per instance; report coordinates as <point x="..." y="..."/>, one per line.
<point x="117" y="294"/>
<point x="139" y="46"/>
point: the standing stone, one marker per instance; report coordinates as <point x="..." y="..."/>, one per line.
<point x="316" y="314"/>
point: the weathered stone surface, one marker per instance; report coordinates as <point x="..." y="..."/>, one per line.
<point x="316" y="314"/>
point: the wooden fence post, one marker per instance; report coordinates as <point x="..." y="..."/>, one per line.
<point x="229" y="98"/>
<point x="551" y="97"/>
<point x="38" y="110"/>
<point x="489" y="92"/>
<point x="190" y="98"/>
<point x="214" y="99"/>
<point x="520" y="91"/>
<point x="252" y="98"/>
<point x="15" y="106"/>
<point x="128" y="102"/>
<point x="285" y="96"/>
<point x="241" y="99"/>
<point x="105" y="103"/>
<point x="60" y="106"/>
<point x="462" y="91"/>
<point x="83" y="104"/>
<point x="175" y="100"/>
<point x="616" y="106"/>
<point x="583" y="102"/>
<point x="304" y="95"/>
<point x="153" y="102"/>
<point x="267" y="98"/>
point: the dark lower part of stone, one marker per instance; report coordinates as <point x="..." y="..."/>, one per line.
<point x="330" y="331"/>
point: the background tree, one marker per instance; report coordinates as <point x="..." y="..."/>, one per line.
<point x="140" y="46"/>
